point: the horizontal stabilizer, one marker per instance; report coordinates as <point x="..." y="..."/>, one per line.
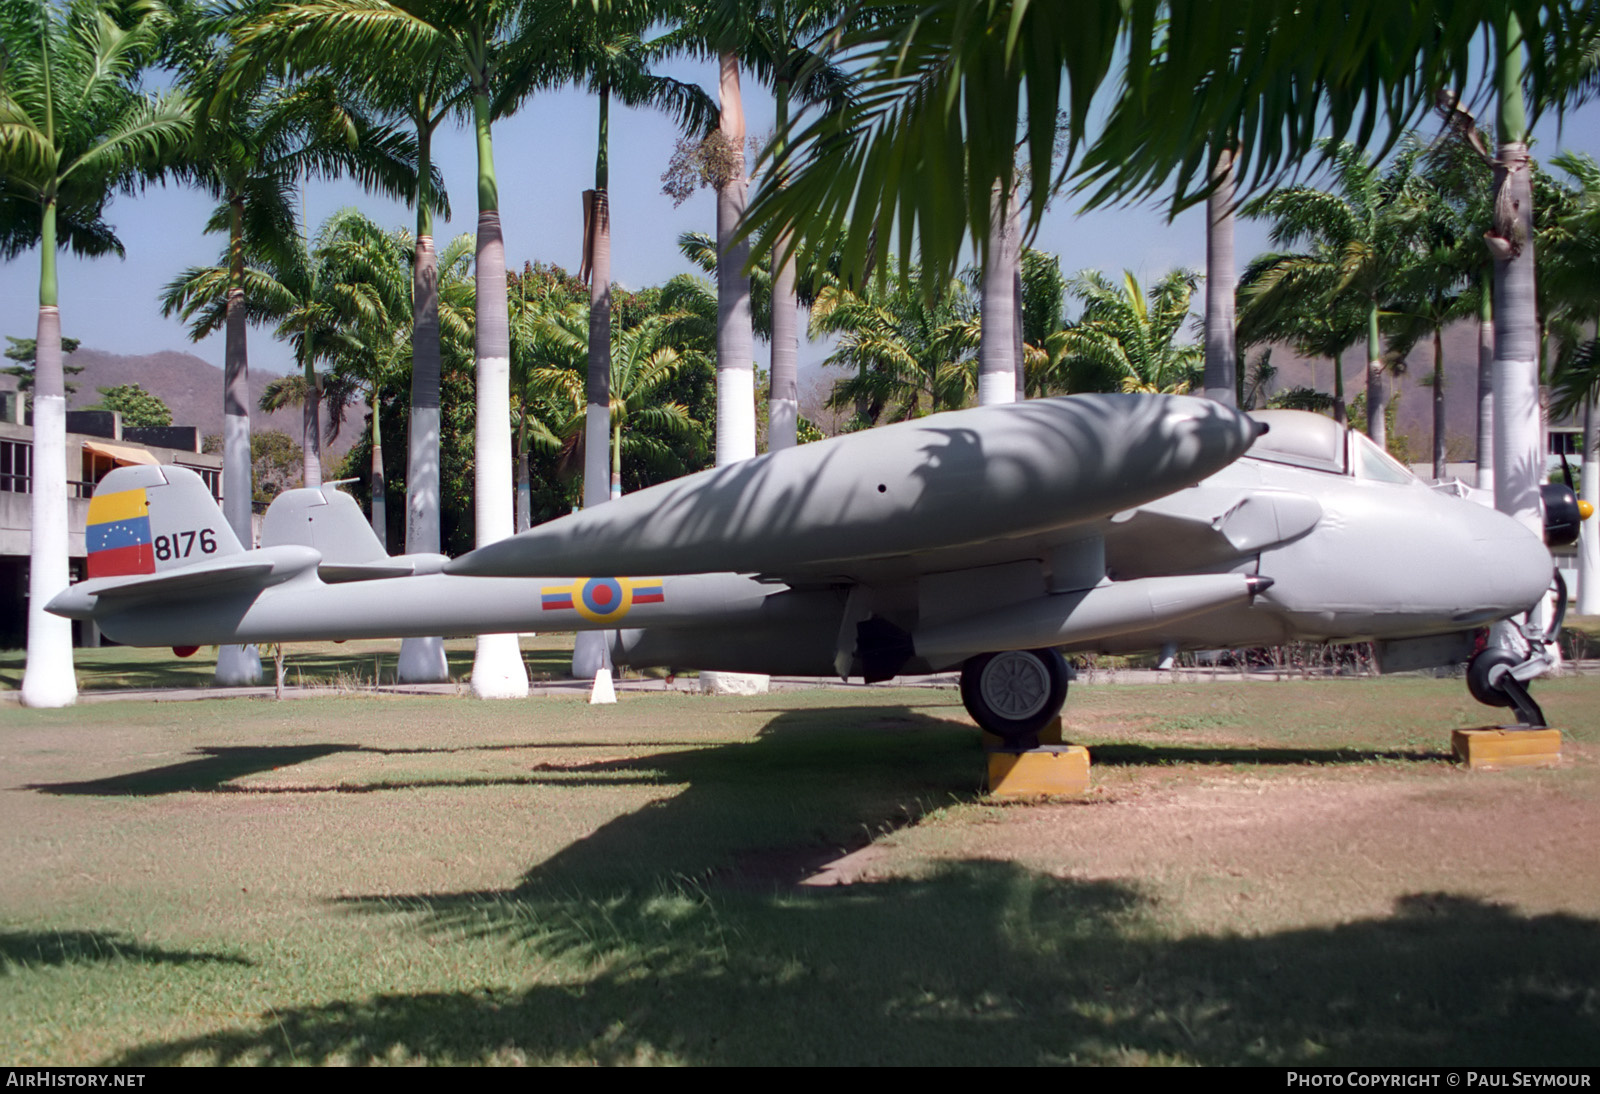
<point x="253" y="570"/>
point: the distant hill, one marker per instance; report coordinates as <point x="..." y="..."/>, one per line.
<point x="192" y="388"/>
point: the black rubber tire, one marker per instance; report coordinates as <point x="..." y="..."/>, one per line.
<point x="1478" y="675"/>
<point x="1014" y="693"/>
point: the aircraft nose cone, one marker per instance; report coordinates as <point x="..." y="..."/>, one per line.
<point x="1511" y="567"/>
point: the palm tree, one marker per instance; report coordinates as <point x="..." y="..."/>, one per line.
<point x="1434" y="285"/>
<point x="256" y="140"/>
<point x="604" y="48"/>
<point x="645" y="421"/>
<point x="607" y="51"/>
<point x="486" y="45"/>
<point x="73" y="128"/>
<point x="314" y="297"/>
<point x="785" y="42"/>
<point x="424" y="91"/>
<point x="1124" y="338"/>
<point x="375" y="266"/>
<point x="911" y="355"/>
<point x="1285" y="298"/>
<point x="1362" y="233"/>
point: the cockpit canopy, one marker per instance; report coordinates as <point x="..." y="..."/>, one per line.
<point x="1303" y="439"/>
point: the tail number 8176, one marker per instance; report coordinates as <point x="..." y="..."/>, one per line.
<point x="183" y="544"/>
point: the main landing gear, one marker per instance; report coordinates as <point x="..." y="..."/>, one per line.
<point x="1014" y="693"/>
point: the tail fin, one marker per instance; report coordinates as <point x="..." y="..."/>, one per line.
<point x="326" y="519"/>
<point x="151" y="519"/>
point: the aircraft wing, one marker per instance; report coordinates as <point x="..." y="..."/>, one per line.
<point x="961" y="489"/>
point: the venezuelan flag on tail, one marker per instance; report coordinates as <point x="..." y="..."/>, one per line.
<point x="118" y="534"/>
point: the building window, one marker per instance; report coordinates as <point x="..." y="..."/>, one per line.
<point x="1565" y="443"/>
<point x="16" y="467"/>
<point x="212" y="477"/>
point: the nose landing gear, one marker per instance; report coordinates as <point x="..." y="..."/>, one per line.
<point x="1498" y="676"/>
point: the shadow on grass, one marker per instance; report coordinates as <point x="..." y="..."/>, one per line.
<point x="26" y="950"/>
<point x="217" y="767"/>
<point x="1140" y="755"/>
<point x="982" y="963"/>
<point x="210" y="772"/>
<point x="677" y="933"/>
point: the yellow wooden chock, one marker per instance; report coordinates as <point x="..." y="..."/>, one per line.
<point x="1046" y="771"/>
<point x="1490" y="749"/>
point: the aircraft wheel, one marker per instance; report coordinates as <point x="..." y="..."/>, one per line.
<point x="1478" y="675"/>
<point x="1014" y="693"/>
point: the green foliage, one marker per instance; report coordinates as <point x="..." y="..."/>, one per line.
<point x="136" y="405"/>
<point x="1399" y="445"/>
<point x="1125" y="338"/>
<point x="949" y="87"/>
<point x="912" y="352"/>
<point x="24" y="350"/>
<point x="74" y="124"/>
<point x="276" y="463"/>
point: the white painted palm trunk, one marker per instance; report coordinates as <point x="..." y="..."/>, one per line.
<point x="783" y="403"/>
<point x="997" y="311"/>
<point x="589" y="653"/>
<point x="422" y="660"/>
<point x="48" y="679"/>
<point x="1222" y="352"/>
<point x="1518" y="456"/>
<point x="380" y="509"/>
<point x="1485" y="404"/>
<point x="1589" y="540"/>
<point x="1518" y="459"/>
<point x="736" y="401"/>
<point x="736" y="395"/>
<point x="1377" y="404"/>
<point x="237" y="665"/>
<point x="497" y="668"/>
<point x="524" y="493"/>
<point x="311" y="437"/>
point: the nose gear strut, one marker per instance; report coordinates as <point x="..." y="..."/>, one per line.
<point x="1498" y="676"/>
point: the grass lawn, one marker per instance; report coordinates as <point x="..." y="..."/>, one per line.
<point x="355" y="664"/>
<point x="1264" y="873"/>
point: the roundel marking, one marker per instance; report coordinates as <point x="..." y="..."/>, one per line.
<point x="602" y="598"/>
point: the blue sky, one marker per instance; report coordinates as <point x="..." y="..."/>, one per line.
<point x="544" y="158"/>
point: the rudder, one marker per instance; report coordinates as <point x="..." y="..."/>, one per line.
<point x="326" y="519"/>
<point x="153" y="518"/>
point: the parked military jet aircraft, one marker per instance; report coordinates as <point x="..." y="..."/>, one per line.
<point x="990" y="539"/>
